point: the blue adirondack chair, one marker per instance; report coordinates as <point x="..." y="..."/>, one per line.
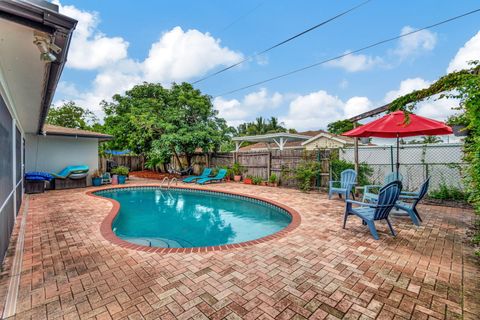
<point x="347" y="182"/>
<point x="206" y="172"/>
<point x="413" y="199"/>
<point x="371" y="212"/>
<point x="370" y="196"/>
<point x="222" y="173"/>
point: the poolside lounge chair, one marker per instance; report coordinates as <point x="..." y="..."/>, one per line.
<point x="206" y="172"/>
<point x="413" y="198"/>
<point x="72" y="172"/>
<point x="222" y="173"/>
<point x="347" y="182"/>
<point x="106" y="178"/>
<point x="370" y="212"/>
<point x="370" y="196"/>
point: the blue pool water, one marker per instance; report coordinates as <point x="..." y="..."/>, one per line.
<point x="186" y="218"/>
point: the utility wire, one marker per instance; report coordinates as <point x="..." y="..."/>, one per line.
<point x="282" y="42"/>
<point x="350" y="52"/>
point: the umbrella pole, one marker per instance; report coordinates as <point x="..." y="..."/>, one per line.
<point x="398" y="155"/>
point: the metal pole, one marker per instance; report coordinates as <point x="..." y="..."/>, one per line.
<point x="356" y="151"/>
<point x="398" y="155"/>
<point x="391" y="158"/>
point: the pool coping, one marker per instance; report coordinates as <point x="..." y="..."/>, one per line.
<point x="108" y="234"/>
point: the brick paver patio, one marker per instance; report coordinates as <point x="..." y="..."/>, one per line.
<point x="317" y="271"/>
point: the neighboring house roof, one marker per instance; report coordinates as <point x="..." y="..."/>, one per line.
<point x="314" y="134"/>
<point x="51" y="130"/>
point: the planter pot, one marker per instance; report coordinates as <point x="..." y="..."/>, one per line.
<point x="227" y="178"/>
<point x="97" y="181"/>
<point x="237" y="178"/>
<point x="273" y="184"/>
<point x="459" y="131"/>
<point x="247" y="181"/>
<point x="264" y="183"/>
<point x="114" y="179"/>
<point x="121" y="179"/>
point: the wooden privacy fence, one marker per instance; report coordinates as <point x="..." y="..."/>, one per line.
<point x="263" y="164"/>
<point x="134" y="163"/>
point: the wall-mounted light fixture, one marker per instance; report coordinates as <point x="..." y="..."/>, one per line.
<point x="46" y="46"/>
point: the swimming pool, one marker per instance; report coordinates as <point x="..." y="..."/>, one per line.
<point x="189" y="218"/>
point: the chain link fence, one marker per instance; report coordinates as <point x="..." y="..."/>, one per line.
<point x="443" y="163"/>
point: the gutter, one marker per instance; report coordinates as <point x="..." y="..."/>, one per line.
<point x="46" y="20"/>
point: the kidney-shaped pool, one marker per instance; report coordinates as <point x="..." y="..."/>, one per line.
<point x="189" y="218"/>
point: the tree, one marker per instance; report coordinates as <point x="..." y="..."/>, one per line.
<point x="261" y="126"/>
<point x="425" y="140"/>
<point x="70" y="115"/>
<point x="340" y="126"/>
<point x="160" y="122"/>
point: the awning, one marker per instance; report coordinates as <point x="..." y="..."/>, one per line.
<point x="280" y="139"/>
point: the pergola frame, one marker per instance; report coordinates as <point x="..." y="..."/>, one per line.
<point x="280" y="139"/>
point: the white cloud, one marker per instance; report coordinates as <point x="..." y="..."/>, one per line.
<point x="317" y="109"/>
<point x="91" y="49"/>
<point x="357" y="105"/>
<point x="236" y="112"/>
<point x="178" y="55"/>
<point x="437" y="109"/>
<point x="416" y="43"/>
<point x="355" y="62"/>
<point x="181" y="55"/>
<point x="470" y="51"/>
<point x="406" y="86"/>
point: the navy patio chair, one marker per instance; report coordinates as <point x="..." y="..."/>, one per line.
<point x="371" y="212"/>
<point x="347" y="182"/>
<point x="370" y="196"/>
<point x="408" y="202"/>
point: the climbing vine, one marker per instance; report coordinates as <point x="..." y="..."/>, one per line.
<point x="463" y="86"/>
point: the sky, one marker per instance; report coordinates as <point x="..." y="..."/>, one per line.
<point x="118" y="44"/>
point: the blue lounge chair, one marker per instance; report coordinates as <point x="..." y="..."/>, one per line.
<point x="413" y="198"/>
<point x="73" y="172"/>
<point x="206" y="172"/>
<point x="370" y="196"/>
<point x="222" y="173"/>
<point x="347" y="182"/>
<point x="370" y="212"/>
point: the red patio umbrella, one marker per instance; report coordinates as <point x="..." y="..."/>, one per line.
<point x="393" y="125"/>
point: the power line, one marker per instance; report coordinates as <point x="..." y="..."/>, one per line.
<point x="282" y="42"/>
<point x="350" y="53"/>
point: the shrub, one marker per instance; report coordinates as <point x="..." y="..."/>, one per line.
<point x="306" y="172"/>
<point x="445" y="192"/>
<point x="237" y="169"/>
<point x="121" y="171"/>
<point x="338" y="165"/>
<point x="257" y="180"/>
<point x="273" y="178"/>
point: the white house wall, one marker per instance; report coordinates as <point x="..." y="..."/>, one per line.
<point x="53" y="153"/>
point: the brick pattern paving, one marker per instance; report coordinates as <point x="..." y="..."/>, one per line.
<point x="317" y="271"/>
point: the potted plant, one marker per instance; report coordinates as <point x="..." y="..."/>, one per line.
<point x="237" y="171"/>
<point x="459" y="125"/>
<point x="97" y="178"/>
<point x="264" y="183"/>
<point x="256" y="180"/>
<point x="248" y="180"/>
<point x="273" y="180"/>
<point x="122" y="173"/>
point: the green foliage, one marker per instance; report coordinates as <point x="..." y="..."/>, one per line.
<point x="305" y="173"/>
<point x="273" y="178"/>
<point x="445" y="192"/>
<point x="464" y="86"/>
<point x="70" y="115"/>
<point x="426" y="140"/>
<point x="257" y="180"/>
<point x="338" y="165"/>
<point x="340" y="126"/>
<point x="458" y="120"/>
<point x="260" y="126"/>
<point x="159" y="122"/>
<point x="120" y="170"/>
<point x="237" y="169"/>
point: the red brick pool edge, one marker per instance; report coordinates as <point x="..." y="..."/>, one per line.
<point x="107" y="231"/>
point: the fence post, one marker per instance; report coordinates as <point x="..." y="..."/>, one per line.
<point x="391" y="157"/>
<point x="269" y="164"/>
